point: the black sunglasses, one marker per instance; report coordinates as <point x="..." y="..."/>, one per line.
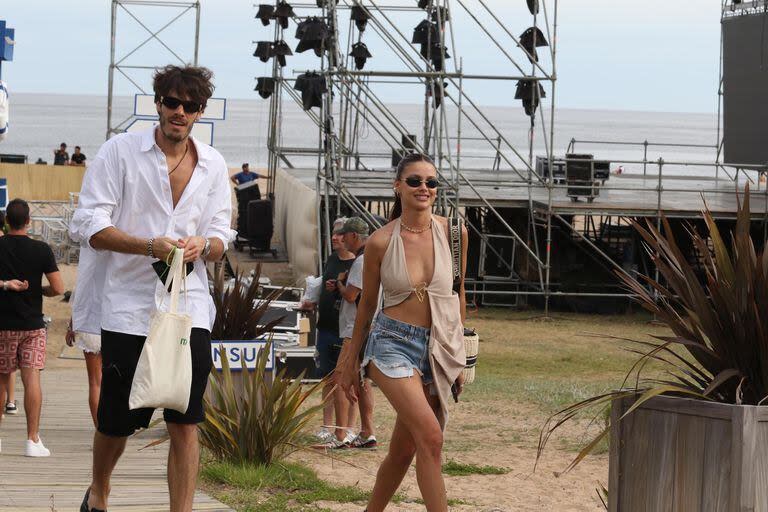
<point x="415" y="182"/>
<point x="190" y="107"/>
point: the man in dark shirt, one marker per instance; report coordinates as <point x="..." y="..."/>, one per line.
<point x="328" y="344"/>
<point x="23" y="262"/>
<point x="60" y="156"/>
<point x="245" y="176"/>
<point x="77" y="158"/>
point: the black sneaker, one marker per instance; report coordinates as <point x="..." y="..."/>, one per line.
<point x="10" y="408"/>
<point x="368" y="443"/>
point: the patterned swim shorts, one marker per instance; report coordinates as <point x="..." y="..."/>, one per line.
<point x="22" y="349"/>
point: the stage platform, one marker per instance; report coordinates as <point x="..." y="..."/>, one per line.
<point x="631" y="195"/>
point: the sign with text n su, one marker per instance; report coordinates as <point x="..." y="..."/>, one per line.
<point x="237" y="351"/>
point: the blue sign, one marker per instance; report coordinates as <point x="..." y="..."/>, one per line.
<point x="7" y="41"/>
<point x="237" y="351"/>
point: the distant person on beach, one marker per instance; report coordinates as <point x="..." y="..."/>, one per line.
<point x="185" y="202"/>
<point x="414" y="349"/>
<point x="60" y="156"/>
<point x="244" y="176"/>
<point x="328" y="344"/>
<point x="23" y="263"/>
<point x="77" y="157"/>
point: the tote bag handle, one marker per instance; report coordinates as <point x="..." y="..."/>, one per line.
<point x="177" y="274"/>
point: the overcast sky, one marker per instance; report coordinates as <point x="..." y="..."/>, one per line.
<point x="654" y="55"/>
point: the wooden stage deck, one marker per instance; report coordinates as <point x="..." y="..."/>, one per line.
<point x="625" y="195"/>
<point x="57" y="483"/>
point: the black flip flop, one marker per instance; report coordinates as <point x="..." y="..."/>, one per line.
<point x="84" y="505"/>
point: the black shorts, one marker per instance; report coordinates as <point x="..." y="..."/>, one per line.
<point x="119" y="357"/>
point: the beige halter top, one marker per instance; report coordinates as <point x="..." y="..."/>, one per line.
<point x="446" y="340"/>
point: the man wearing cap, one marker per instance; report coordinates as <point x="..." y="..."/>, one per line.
<point x="354" y="236"/>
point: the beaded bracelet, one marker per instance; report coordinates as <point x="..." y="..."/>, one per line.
<point x="150" y="251"/>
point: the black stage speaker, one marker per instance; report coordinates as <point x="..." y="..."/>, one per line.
<point x="745" y="84"/>
<point x="13" y="159"/>
<point x="260" y="225"/>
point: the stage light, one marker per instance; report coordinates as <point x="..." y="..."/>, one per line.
<point x="433" y="53"/>
<point x="530" y="91"/>
<point x="530" y="39"/>
<point x="263" y="50"/>
<point x="360" y="53"/>
<point x="312" y="87"/>
<point x="280" y="49"/>
<point x="312" y="33"/>
<point x="360" y="16"/>
<point x="441" y="13"/>
<point x="265" y="13"/>
<point x="283" y="11"/>
<point x="265" y="86"/>
<point x="425" y="32"/>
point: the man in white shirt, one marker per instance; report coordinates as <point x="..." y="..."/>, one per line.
<point x="350" y="284"/>
<point x="143" y="195"/>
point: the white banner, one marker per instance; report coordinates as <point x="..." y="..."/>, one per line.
<point x="238" y="351"/>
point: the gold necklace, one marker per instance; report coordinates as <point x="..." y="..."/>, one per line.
<point x="415" y="230"/>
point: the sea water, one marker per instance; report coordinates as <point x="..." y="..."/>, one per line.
<point x="40" y="122"/>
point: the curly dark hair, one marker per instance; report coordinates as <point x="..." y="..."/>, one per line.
<point x="191" y="81"/>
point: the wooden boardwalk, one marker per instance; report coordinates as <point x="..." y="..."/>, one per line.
<point x="57" y="483"/>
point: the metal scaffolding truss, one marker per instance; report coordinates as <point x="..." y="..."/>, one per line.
<point x="354" y="113"/>
<point x="359" y="129"/>
<point x="129" y="63"/>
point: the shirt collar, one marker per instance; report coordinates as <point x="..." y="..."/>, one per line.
<point x="204" y="153"/>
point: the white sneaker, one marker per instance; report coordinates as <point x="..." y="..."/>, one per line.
<point x="323" y="435"/>
<point x="36" y="449"/>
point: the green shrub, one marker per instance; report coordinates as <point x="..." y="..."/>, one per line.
<point x="264" y="422"/>
<point x="719" y="350"/>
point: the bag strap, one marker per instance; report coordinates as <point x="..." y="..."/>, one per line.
<point x="455" y="232"/>
<point x="177" y="274"/>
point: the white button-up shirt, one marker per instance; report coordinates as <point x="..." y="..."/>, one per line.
<point x="127" y="186"/>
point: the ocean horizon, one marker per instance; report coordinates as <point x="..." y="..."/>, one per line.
<point x="40" y="122"/>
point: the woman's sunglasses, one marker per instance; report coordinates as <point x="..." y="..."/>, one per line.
<point x="415" y="182"/>
<point x="190" y="107"/>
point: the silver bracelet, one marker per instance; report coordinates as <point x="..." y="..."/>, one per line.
<point x="150" y="251"/>
<point x="206" y="249"/>
<point x="5" y="286"/>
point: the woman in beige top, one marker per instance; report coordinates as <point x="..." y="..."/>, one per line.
<point x="415" y="350"/>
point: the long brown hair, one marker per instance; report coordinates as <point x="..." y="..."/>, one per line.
<point x="407" y="160"/>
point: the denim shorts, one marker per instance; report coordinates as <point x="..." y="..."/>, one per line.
<point x="398" y="348"/>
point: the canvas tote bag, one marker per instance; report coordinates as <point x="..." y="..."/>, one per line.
<point x="164" y="373"/>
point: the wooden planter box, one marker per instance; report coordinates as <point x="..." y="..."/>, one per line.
<point x="685" y="455"/>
